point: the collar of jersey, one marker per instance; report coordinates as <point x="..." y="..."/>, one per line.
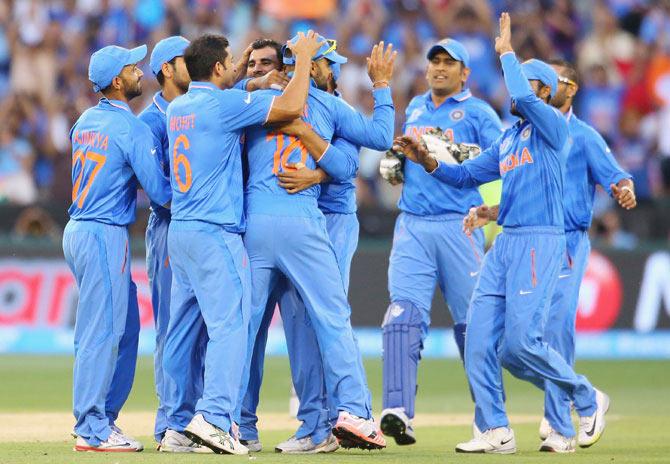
<point x="568" y="115"/>
<point x="160" y="102"/>
<point x="202" y="85"/>
<point x="459" y="97"/>
<point x="115" y="103"/>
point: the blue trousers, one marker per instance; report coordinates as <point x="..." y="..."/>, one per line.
<point x="560" y="327"/>
<point x="317" y="410"/>
<point x="427" y="250"/>
<point x="107" y="325"/>
<point x="298" y="248"/>
<point x="506" y="324"/>
<point x="159" y="271"/>
<point x="210" y="298"/>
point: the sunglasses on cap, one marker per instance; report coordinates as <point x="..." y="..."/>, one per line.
<point x="566" y="81"/>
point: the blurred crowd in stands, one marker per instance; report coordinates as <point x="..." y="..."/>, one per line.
<point x="621" y="48"/>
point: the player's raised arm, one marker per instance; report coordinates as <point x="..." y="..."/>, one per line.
<point x="530" y="104"/>
<point x="374" y="132"/>
<point x="290" y="104"/>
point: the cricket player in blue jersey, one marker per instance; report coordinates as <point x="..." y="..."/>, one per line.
<point x="111" y="150"/>
<point x="337" y="201"/>
<point x="589" y="162"/>
<point x="429" y="246"/>
<point x="296" y="223"/>
<point x="211" y="280"/>
<point x="167" y="64"/>
<point x="512" y="297"/>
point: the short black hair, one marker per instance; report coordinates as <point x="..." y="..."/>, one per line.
<point x="203" y="53"/>
<point x="570" y="71"/>
<point x="160" y="77"/>
<point x="264" y="43"/>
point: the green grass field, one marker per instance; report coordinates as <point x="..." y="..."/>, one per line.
<point x="636" y="433"/>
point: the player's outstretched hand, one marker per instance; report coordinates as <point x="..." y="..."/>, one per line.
<point x="241" y="65"/>
<point x="380" y="64"/>
<point x="624" y="194"/>
<point x="415" y="151"/>
<point x="298" y="177"/>
<point x="504" y="39"/>
<point x="307" y="44"/>
<point x="476" y="218"/>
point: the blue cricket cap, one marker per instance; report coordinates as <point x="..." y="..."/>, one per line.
<point x="166" y="50"/>
<point x="538" y="70"/>
<point x="455" y="49"/>
<point x="107" y="63"/>
<point x="328" y="50"/>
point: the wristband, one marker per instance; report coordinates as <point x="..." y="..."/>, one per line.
<point x="377" y="84"/>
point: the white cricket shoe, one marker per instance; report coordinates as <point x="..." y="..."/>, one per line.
<point x="209" y="435"/>
<point x="115" y="443"/>
<point x="557" y="443"/>
<point x="132" y="440"/>
<point x="591" y="427"/>
<point x="175" y="442"/>
<point x="305" y="445"/>
<point x="254" y="446"/>
<point x="545" y="429"/>
<point x="476" y="433"/>
<point x="395" y="423"/>
<point x="498" y="441"/>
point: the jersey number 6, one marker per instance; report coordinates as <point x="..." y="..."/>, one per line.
<point x="181" y="159"/>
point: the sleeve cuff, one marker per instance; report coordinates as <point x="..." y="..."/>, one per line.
<point x="507" y="54"/>
<point x="382" y="96"/>
<point x="325" y="152"/>
<point x="436" y="168"/>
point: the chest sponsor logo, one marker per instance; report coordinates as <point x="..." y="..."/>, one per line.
<point x="414" y="115"/>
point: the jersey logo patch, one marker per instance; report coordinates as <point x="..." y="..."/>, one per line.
<point x="457" y="115"/>
<point x="247" y="100"/>
<point x="526" y="133"/>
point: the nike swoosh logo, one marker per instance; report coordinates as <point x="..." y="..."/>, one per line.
<point x="523" y="292"/>
<point x="564" y="276"/>
<point x="153" y="151"/>
<point x="472" y="274"/>
<point x="248" y="99"/>
<point x="593" y="428"/>
<point x="505" y="442"/>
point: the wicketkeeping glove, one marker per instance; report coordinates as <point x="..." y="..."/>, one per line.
<point x="391" y="166"/>
<point x="442" y="149"/>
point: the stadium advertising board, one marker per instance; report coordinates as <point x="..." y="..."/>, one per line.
<point x="624" y="306"/>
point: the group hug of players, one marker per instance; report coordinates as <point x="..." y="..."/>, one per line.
<point x="251" y="182"/>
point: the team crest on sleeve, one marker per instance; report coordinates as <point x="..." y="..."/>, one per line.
<point x="457" y="115"/>
<point x="526" y="133"/>
<point x="414" y="115"/>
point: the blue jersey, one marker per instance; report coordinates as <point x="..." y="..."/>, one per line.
<point x="205" y="127"/>
<point x="529" y="156"/>
<point x="111" y="150"/>
<point x="339" y="195"/>
<point x="270" y="152"/>
<point x="590" y="162"/>
<point x="463" y="118"/>
<point x="154" y="117"/>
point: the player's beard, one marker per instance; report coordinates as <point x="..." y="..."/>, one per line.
<point x="132" y="90"/>
<point x="182" y="85"/>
